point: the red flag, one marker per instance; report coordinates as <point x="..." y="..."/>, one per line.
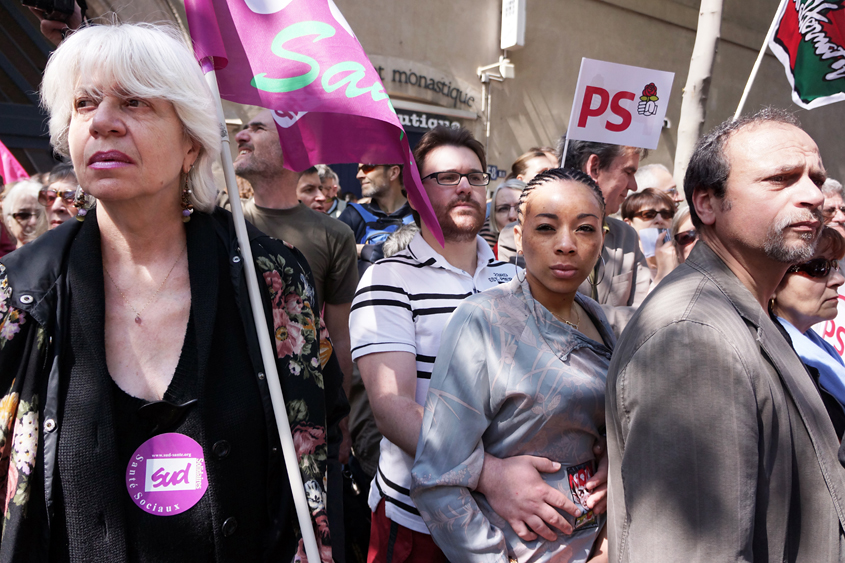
<point x="12" y="170"/>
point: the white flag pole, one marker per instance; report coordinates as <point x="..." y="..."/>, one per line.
<point x="759" y="60"/>
<point x="268" y="356"/>
<point x="571" y="117"/>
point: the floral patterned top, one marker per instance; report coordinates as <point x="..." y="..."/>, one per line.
<point x="29" y="328"/>
<point x="510" y="379"/>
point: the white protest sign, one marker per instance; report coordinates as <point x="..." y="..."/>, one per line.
<point x="619" y="104"/>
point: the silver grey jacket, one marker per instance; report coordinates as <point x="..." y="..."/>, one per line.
<point x="720" y="448"/>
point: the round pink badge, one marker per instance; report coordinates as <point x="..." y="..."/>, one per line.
<point x="166" y="475"/>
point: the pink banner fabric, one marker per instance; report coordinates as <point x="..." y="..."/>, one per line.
<point x="12" y="170"/>
<point x="301" y="59"/>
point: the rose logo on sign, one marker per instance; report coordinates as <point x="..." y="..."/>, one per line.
<point x="647" y="105"/>
<point x="166" y="475"/>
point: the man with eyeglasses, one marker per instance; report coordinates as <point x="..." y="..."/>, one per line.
<point x="387" y="210"/>
<point x="720" y="445"/>
<point x="400" y="309"/>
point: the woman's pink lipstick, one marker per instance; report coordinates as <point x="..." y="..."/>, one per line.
<point x="104" y="160"/>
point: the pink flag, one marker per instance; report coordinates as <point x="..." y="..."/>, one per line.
<point x="301" y="59"/>
<point x="12" y="169"/>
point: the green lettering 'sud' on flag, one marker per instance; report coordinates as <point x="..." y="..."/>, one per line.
<point x="810" y="42"/>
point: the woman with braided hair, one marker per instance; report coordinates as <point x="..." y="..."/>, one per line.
<point x="522" y="371"/>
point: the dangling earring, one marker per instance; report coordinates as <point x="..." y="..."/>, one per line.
<point x="187" y="206"/>
<point x="772" y="306"/>
<point x="79" y="201"/>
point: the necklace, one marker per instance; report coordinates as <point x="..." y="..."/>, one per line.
<point x="151" y="299"/>
<point x="570" y="323"/>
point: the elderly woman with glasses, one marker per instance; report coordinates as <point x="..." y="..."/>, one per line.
<point x="136" y="415"/>
<point x="808" y="294"/>
<point x="503" y="206"/>
<point x="23" y="217"/>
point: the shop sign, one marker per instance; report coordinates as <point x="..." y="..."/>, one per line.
<point x="421" y="120"/>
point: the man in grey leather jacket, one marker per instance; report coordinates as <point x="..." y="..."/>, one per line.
<point x="720" y="447"/>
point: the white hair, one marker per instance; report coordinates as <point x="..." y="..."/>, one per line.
<point x="11" y="204"/>
<point x="646" y="176"/>
<point x="832" y="187"/>
<point x="139" y="60"/>
<point x="325" y="172"/>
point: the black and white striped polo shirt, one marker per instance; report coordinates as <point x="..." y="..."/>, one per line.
<point x="402" y="305"/>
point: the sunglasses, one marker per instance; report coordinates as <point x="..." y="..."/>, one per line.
<point x="24" y="216"/>
<point x="818" y="268"/>
<point x="649" y="214"/>
<point x="367" y="168"/>
<point x="686" y="237"/>
<point x="47" y="196"/>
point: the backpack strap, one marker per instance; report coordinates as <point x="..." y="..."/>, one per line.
<point x="363" y="212"/>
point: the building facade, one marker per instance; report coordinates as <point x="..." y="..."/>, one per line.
<point x="428" y="53"/>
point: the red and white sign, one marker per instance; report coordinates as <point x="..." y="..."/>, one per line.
<point x="619" y="104"/>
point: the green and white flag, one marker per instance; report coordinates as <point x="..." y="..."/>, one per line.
<point x="810" y="42"/>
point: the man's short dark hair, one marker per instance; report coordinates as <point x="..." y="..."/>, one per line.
<point x="446" y="136"/>
<point x="709" y="168"/>
<point x="443" y="136"/>
<point x="579" y="152"/>
<point x="309" y="171"/>
<point x="62" y="172"/>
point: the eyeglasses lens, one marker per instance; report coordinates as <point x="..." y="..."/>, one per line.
<point x="817" y="268"/>
<point x="650" y="214"/>
<point x="367" y="168"/>
<point x="23" y="216"/>
<point x="686" y="237"/>
<point x="46" y="197"/>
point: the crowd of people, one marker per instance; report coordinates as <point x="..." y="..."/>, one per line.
<point x="596" y="364"/>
